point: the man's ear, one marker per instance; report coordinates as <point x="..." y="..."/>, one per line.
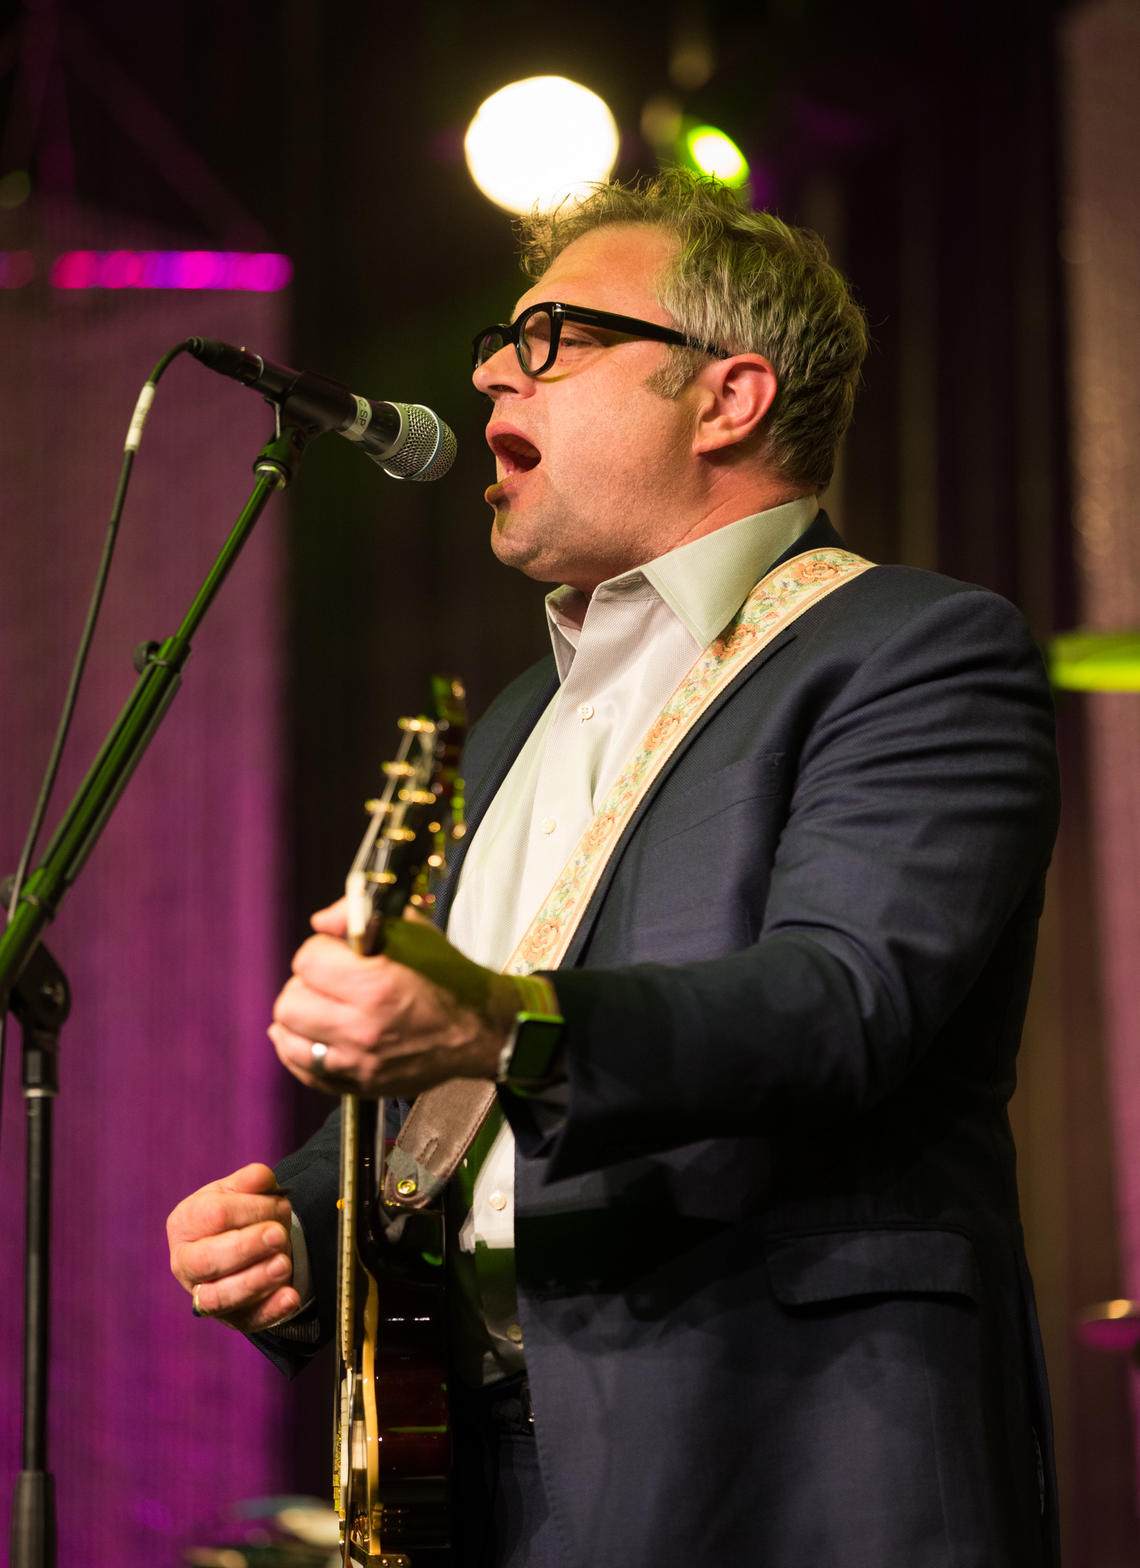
<point x="738" y="393"/>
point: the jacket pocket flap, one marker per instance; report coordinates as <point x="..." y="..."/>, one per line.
<point x="831" y="1265"/>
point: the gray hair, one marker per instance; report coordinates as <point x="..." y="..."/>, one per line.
<point x="747" y="282"/>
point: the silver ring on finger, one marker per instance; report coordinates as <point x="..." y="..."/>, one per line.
<point x="317" y="1053"/>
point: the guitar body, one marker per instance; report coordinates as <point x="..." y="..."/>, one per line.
<point x="392" y="1443"/>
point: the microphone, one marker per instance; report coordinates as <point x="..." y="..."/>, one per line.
<point x="407" y="440"/>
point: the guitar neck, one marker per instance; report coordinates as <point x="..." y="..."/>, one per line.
<point x="360" y="1125"/>
<point x="347" y="1221"/>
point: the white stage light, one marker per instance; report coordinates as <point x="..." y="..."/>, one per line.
<point x="538" y="141"/>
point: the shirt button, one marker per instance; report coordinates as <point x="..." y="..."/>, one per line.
<point x="497" y="1200"/>
<point x="548" y="824"/>
<point x="585" y="711"/>
<point x="515" y="1333"/>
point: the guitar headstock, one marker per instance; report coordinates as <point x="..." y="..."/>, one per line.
<point x="402" y="856"/>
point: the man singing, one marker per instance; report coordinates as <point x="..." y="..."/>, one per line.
<point x="738" y="1267"/>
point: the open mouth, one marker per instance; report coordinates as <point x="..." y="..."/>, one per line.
<point x="516" y="455"/>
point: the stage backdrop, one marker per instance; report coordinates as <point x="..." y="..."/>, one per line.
<point x="170" y="938"/>
<point x="1101" y="248"/>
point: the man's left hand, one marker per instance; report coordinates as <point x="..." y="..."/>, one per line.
<point x="418" y="1013"/>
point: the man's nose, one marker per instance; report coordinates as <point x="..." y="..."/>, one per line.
<point x="501" y="372"/>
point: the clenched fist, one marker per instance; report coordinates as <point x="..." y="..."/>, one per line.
<point x="229" y="1247"/>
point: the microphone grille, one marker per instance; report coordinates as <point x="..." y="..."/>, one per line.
<point x="428" y="448"/>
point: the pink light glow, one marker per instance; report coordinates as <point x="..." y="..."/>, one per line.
<point x="75" y="269"/>
<point x="249" y="271"/>
<point x="121" y="269"/>
<point x="198" y="269"/>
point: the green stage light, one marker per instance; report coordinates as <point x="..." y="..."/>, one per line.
<point x="710" y="151"/>
<point x="1095" y="661"/>
<point x="15" y="188"/>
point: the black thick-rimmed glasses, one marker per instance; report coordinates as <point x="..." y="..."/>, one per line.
<point x="538" y="334"/>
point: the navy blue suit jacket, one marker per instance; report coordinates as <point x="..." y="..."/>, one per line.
<point x="772" y="1286"/>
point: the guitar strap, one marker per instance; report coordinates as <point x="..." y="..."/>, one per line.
<point x="444" y="1120"/>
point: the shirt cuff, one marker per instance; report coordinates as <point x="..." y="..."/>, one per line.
<point x="292" y="1327"/>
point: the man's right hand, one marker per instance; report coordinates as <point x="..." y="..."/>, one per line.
<point x="230" y="1250"/>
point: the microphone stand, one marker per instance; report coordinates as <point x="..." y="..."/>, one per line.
<point x="39" y="991"/>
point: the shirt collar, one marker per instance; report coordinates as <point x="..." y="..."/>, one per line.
<point x="704" y="583"/>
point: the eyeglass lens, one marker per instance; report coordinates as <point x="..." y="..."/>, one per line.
<point x="490" y="343"/>
<point x="535" y="333"/>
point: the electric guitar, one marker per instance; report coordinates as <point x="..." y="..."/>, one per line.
<point x="392" y="1446"/>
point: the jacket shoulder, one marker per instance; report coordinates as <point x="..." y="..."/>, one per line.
<point x="884" y="601"/>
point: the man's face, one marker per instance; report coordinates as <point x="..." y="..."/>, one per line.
<point x="595" y="472"/>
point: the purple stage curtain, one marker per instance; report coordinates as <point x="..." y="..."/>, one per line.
<point x="1101" y="245"/>
<point x="170" y="936"/>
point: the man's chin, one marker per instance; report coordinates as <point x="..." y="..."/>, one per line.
<point x="514" y="548"/>
<point x="508" y="543"/>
